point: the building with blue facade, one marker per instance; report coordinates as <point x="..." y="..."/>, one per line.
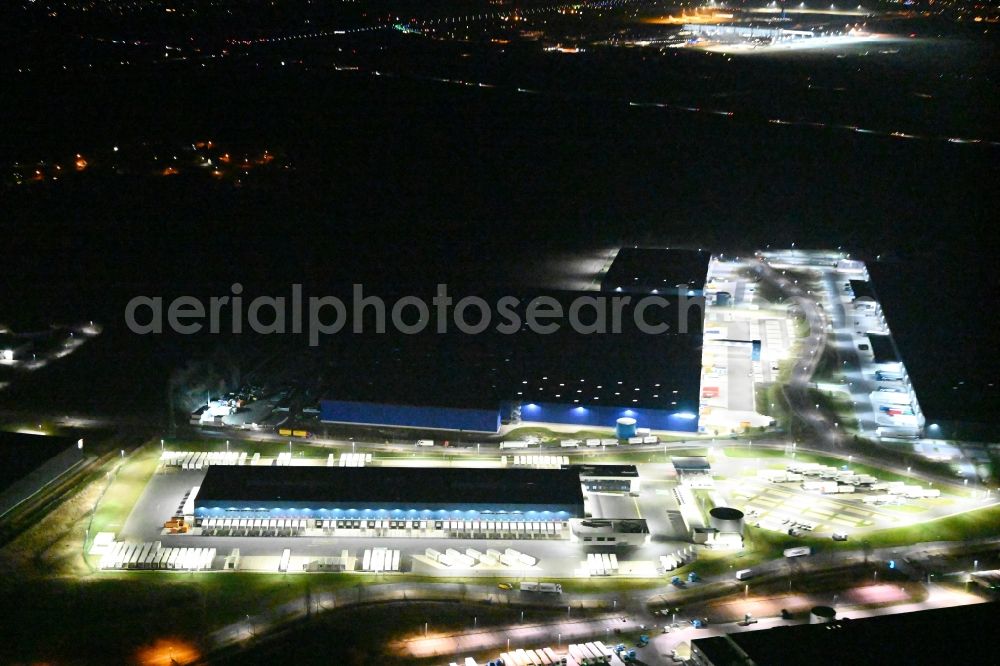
<point x="410" y="416"/>
<point x="605" y="416"/>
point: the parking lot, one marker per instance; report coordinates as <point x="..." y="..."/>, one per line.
<point x="778" y="507"/>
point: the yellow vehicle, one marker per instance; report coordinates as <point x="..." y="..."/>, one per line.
<point x="505" y="586"/>
<point x="174" y="523"/>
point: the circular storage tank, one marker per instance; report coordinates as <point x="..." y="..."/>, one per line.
<point x="822" y="615"/>
<point x="726" y="519"/>
<point x="625" y="427"/>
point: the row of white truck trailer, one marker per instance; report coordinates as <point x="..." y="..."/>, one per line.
<point x="150" y="555"/>
<point x="471" y="557"/>
<point x="678" y="559"/>
<point x="203" y="459"/>
<point x="377" y="560"/>
<point x="535" y="461"/>
<point x="349" y="460"/>
<point x="602" y="564"/>
<point x="594" y="443"/>
<point x="578" y="654"/>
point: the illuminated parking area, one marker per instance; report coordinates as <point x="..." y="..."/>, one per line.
<point x="824" y="506"/>
<point x="780" y="508"/>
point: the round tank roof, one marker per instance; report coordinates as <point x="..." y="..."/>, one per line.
<point x="823" y="611"/>
<point x="626" y="421"/>
<point x="726" y="513"/>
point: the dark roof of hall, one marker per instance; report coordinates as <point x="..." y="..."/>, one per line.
<point x="646" y="269"/>
<point x="21" y="453"/>
<point x="606" y="470"/>
<point x="410" y="485"/>
<point x="883" y="348"/>
<point x="945" y="635"/>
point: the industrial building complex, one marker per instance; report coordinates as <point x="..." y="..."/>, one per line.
<point x="632" y="468"/>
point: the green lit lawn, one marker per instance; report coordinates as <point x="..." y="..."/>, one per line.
<point x="755" y="452"/>
<point x="126" y="487"/>
<point x="979" y="523"/>
<point x="975" y="524"/>
<point x="266" y="449"/>
<point x="626" y="456"/>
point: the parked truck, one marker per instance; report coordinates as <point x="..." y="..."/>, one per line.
<point x="535" y="586"/>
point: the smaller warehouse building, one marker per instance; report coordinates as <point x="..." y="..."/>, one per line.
<point x="693" y="471"/>
<point x="608" y="478"/>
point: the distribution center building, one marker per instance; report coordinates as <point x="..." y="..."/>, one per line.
<point x="590" y="370"/>
<point x="390" y="492"/>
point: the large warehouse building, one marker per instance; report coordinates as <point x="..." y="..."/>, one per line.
<point x="474" y="383"/>
<point x="657" y="271"/>
<point x="390" y="492"/>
